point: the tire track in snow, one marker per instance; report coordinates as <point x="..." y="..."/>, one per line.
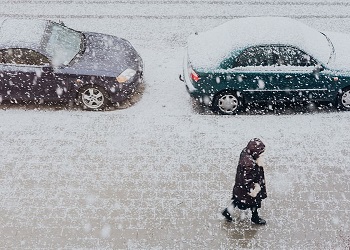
<point x="170" y="10"/>
<point x="58" y="16"/>
<point x="314" y="3"/>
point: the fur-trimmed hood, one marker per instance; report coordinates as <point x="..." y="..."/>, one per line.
<point x="255" y="147"/>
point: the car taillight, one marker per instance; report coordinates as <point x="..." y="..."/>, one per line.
<point x="194" y="76"/>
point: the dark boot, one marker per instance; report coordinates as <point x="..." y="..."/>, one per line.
<point x="255" y="217"/>
<point x="227" y="215"/>
<point x="258" y="220"/>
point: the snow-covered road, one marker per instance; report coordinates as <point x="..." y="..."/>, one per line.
<point x="156" y="175"/>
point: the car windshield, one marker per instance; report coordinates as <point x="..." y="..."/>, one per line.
<point x="63" y="44"/>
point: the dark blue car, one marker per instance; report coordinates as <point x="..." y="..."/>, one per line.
<point x="46" y="61"/>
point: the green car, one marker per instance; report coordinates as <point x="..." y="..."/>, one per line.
<point x="267" y="59"/>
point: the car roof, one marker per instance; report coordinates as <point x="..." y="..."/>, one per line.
<point x="207" y="50"/>
<point x="22" y="33"/>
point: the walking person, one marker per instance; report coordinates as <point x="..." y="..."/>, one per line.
<point x="249" y="188"/>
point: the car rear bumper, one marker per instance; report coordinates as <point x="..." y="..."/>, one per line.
<point x="191" y="89"/>
<point x="185" y="77"/>
<point x="194" y="93"/>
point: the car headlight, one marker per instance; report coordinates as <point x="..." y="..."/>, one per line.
<point x="126" y="75"/>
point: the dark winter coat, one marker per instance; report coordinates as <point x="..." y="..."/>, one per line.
<point x="248" y="173"/>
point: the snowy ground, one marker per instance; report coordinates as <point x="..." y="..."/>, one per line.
<point x="156" y="175"/>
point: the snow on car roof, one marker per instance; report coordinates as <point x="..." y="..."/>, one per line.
<point x="22" y="32"/>
<point x="208" y="49"/>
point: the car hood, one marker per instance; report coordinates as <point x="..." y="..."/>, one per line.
<point x="341" y="58"/>
<point x="106" y="55"/>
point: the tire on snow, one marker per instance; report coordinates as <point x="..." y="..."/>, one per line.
<point x="93" y="98"/>
<point x="344" y="99"/>
<point x="227" y="102"/>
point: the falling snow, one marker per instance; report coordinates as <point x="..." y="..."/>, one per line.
<point x="156" y="173"/>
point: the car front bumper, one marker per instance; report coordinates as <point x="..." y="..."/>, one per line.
<point x="121" y="91"/>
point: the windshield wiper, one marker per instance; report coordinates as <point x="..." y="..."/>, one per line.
<point x="82" y="44"/>
<point x="81" y="50"/>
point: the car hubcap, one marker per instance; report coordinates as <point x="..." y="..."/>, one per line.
<point x="228" y="104"/>
<point x="92" y="98"/>
<point x="345" y="99"/>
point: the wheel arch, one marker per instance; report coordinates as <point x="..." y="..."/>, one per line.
<point x="90" y="84"/>
<point x="231" y="90"/>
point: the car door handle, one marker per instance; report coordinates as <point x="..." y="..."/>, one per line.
<point x="12" y="75"/>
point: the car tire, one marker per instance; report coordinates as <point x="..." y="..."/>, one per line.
<point x="344" y="99"/>
<point x="227" y="103"/>
<point x="93" y="98"/>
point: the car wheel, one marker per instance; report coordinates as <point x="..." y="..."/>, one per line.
<point x="227" y="103"/>
<point x="344" y="99"/>
<point x="93" y="98"/>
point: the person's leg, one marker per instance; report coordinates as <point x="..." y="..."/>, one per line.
<point x="228" y="212"/>
<point x="255" y="217"/>
<point x="243" y="215"/>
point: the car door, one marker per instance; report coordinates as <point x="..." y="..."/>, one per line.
<point x="52" y="85"/>
<point x="14" y="75"/>
<point x="255" y="71"/>
<point x="298" y="76"/>
<point x="27" y="75"/>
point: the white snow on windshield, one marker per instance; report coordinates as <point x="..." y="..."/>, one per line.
<point x="63" y="44"/>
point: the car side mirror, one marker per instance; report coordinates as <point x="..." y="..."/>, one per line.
<point x="318" y="69"/>
<point x="47" y="69"/>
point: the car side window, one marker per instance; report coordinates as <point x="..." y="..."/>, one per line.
<point x="257" y="56"/>
<point x="274" y="55"/>
<point x="22" y="56"/>
<point x="290" y="56"/>
<point x="253" y="56"/>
